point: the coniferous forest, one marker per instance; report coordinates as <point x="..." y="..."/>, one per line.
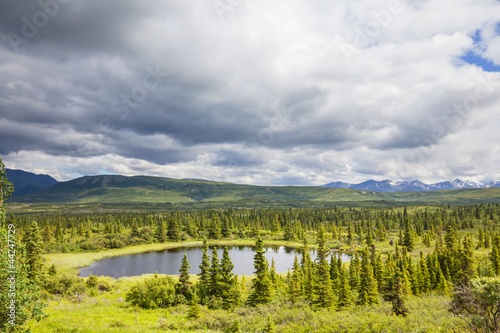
<point x="418" y="268"/>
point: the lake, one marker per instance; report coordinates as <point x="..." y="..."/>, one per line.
<point x="169" y="261"/>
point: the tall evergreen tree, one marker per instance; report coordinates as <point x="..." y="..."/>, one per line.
<point x="398" y="297"/>
<point x="226" y="228"/>
<point x="214" y="231"/>
<point x="214" y="286"/>
<point x="204" y="275"/>
<point x="408" y="241"/>
<point x="33" y="243"/>
<point x="345" y="296"/>
<point x="262" y="291"/>
<point x="183" y="287"/>
<point x="294" y="284"/>
<point x="368" y="289"/>
<point x="173" y="232"/>
<point x="323" y="293"/>
<point x="134" y="233"/>
<point x="334" y="273"/>
<point x="495" y="254"/>
<point x="230" y="291"/>
<point x="160" y="234"/>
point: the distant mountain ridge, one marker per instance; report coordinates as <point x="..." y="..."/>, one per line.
<point x="27" y="182"/>
<point x="411" y="186"/>
<point x="122" y="190"/>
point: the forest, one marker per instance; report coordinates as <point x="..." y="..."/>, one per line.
<point x="415" y="268"/>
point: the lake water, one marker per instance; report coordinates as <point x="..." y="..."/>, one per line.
<point x="169" y="261"/>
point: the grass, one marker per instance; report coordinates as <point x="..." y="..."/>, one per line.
<point x="110" y="313"/>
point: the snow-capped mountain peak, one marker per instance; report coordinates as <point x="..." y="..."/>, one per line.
<point x="414" y="185"/>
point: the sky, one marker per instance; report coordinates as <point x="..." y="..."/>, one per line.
<point x="282" y="92"/>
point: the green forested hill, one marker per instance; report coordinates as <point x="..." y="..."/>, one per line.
<point x="121" y="189"/>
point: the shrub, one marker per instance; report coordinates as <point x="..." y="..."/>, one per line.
<point x="155" y="292"/>
<point x="478" y="303"/>
<point x="91" y="281"/>
<point x="104" y="285"/>
<point x="64" y="284"/>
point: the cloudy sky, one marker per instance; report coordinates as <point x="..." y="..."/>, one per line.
<point x="252" y="91"/>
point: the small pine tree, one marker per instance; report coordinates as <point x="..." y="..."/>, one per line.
<point x="52" y="270"/>
<point x="398" y="297"/>
<point x="194" y="308"/>
<point x="270" y="326"/>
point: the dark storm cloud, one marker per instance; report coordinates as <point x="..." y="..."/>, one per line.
<point x="263" y="90"/>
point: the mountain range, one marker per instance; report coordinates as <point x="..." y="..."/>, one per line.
<point x="27" y="182"/>
<point x="122" y="190"/>
<point x="117" y="189"/>
<point x="411" y="186"/>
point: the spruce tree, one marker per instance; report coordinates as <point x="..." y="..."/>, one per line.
<point x="160" y="234"/>
<point x="495" y="254"/>
<point x="398" y="297"/>
<point x="214" y="231"/>
<point x="307" y="273"/>
<point x="349" y="234"/>
<point x="466" y="270"/>
<point x="262" y="291"/>
<point x="134" y="233"/>
<point x="183" y="287"/>
<point x="368" y="289"/>
<point x="228" y="283"/>
<point x="272" y="273"/>
<point x="204" y="275"/>
<point x="214" y="287"/>
<point x="226" y="228"/>
<point x="294" y="283"/>
<point x="334" y="273"/>
<point x="408" y="238"/>
<point x="345" y="296"/>
<point x="33" y="243"/>
<point x="173" y="232"/>
<point x="323" y="294"/>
